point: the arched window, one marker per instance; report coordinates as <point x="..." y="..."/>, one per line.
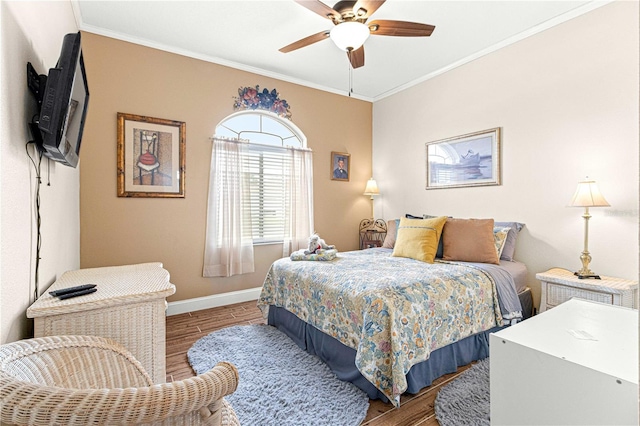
<point x="441" y="157"/>
<point x="443" y="154"/>
<point x="261" y="127"/>
<point x="260" y="191"/>
<point x="268" y="166"/>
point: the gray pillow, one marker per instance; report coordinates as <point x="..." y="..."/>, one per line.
<point x="510" y="244"/>
<point x="410" y="216"/>
<point x="392" y="233"/>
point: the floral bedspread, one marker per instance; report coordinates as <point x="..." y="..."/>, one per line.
<point x="393" y="311"/>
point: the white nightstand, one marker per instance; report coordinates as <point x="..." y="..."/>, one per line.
<point x="559" y="285"/>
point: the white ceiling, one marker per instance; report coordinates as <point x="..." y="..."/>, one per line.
<point x="248" y="34"/>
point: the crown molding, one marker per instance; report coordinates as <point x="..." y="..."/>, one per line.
<point x="219" y="61"/>
<point x="581" y="10"/>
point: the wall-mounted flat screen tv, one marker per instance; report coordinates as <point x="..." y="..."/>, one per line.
<point x="63" y="96"/>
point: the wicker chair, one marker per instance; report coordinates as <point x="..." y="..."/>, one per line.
<point x="80" y="380"/>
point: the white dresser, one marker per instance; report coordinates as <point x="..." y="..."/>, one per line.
<point x="129" y="307"/>
<point x="575" y="364"/>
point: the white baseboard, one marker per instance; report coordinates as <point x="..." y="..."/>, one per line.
<point x="206" y="302"/>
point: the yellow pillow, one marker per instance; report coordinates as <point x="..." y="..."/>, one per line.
<point x="418" y="238"/>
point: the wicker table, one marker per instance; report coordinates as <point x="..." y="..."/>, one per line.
<point x="128" y="307"/>
<point x="560" y="285"/>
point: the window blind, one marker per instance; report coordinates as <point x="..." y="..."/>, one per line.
<point x="269" y="171"/>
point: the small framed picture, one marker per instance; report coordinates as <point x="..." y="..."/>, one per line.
<point x="151" y="156"/>
<point x="340" y="163"/>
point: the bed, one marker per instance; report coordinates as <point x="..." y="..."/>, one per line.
<point x="393" y="324"/>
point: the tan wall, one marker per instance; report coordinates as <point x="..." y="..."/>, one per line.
<point x="129" y="78"/>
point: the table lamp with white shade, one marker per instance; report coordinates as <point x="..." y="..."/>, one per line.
<point x="587" y="195"/>
<point x="371" y="189"/>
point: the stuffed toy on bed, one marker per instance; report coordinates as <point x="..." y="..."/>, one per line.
<point x="316" y="243"/>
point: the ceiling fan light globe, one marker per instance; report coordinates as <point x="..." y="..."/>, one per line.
<point x="349" y="35"/>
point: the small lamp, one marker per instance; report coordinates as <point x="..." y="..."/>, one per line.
<point x="587" y="195"/>
<point x="371" y="190"/>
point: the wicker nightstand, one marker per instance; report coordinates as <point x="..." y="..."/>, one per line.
<point x="559" y="285"/>
<point x="129" y="307"/>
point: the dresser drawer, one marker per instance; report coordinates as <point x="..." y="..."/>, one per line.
<point x="557" y="294"/>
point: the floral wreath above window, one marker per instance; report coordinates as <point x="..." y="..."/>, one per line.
<point x="252" y="98"/>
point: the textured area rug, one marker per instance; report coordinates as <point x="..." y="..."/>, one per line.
<point x="465" y="401"/>
<point x="280" y="384"/>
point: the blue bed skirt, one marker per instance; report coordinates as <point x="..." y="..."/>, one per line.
<point x="341" y="358"/>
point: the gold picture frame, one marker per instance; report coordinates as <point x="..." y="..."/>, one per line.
<point x="340" y="166"/>
<point x="463" y="161"/>
<point x="151" y="157"/>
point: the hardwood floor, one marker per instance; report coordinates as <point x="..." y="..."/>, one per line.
<point x="183" y="330"/>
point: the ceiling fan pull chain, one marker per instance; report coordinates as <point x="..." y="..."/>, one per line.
<point x="350" y="74"/>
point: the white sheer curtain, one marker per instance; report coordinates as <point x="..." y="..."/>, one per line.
<point x="228" y="245"/>
<point x="299" y="201"/>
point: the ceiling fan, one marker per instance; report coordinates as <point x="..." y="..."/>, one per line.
<point x="351" y="28"/>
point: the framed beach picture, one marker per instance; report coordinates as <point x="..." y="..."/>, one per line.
<point x="151" y="157"/>
<point x="340" y="163"/>
<point x="462" y="161"/>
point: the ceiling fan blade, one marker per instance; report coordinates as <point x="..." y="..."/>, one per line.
<point x="306" y="41"/>
<point x="356" y="57"/>
<point x="399" y="28"/>
<point x="320" y="8"/>
<point x="366" y="8"/>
